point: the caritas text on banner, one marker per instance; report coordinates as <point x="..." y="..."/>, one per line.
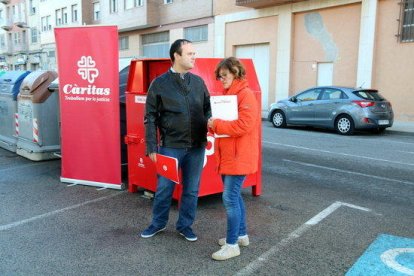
<point x="89" y="105"/>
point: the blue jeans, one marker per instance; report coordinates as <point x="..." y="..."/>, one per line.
<point x="190" y="160"/>
<point x="233" y="202"/>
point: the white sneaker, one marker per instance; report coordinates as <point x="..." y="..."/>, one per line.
<point x="226" y="252"/>
<point x="242" y="241"/>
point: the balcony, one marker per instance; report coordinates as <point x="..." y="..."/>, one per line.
<point x="20" y="22"/>
<point x="5" y="2"/>
<point x="6" y="25"/>
<point x="256" y="4"/>
<point x="21" y="47"/>
<point x="6" y="50"/>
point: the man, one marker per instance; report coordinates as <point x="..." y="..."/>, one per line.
<point x="178" y="106"/>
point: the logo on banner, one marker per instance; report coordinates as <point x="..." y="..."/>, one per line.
<point x="91" y="93"/>
<point x="87" y="69"/>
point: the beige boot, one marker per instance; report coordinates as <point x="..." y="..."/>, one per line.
<point x="242" y="241"/>
<point x="226" y="252"/>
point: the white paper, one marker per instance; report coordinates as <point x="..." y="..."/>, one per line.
<point x="224" y="108"/>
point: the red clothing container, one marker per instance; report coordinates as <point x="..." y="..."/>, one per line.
<point x="141" y="170"/>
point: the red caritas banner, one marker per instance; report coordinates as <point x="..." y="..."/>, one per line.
<point x="89" y="105"/>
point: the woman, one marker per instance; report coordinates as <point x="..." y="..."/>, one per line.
<point x="237" y="155"/>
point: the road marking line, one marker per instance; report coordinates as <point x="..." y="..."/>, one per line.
<point x="350" y="172"/>
<point x="259" y="262"/>
<point x="24" y="221"/>
<point x="410" y="152"/>
<point x="398" y="142"/>
<point x="339" y="153"/>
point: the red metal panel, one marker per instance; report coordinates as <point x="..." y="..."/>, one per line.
<point x="141" y="171"/>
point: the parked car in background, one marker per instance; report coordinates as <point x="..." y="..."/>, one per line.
<point x="344" y="109"/>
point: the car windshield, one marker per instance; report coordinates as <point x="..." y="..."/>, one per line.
<point x="372" y="95"/>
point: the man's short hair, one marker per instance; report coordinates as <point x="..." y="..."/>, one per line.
<point x="176" y="47"/>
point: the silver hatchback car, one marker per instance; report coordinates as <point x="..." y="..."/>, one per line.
<point x="344" y="109"/>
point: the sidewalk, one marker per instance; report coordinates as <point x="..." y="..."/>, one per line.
<point x="402" y="126"/>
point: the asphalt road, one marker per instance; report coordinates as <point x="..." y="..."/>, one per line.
<point x="325" y="199"/>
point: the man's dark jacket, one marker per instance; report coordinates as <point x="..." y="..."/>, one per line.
<point x="179" y="108"/>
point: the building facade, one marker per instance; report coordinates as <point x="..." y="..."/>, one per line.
<point x="300" y="44"/>
<point x="295" y="44"/>
<point x="27" y="31"/>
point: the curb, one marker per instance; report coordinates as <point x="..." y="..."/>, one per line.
<point x="402" y="132"/>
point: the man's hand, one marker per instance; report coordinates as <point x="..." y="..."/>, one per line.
<point x="153" y="157"/>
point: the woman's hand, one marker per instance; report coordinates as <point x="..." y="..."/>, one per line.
<point x="210" y="122"/>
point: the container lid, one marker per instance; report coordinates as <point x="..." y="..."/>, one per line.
<point x="36" y="84"/>
<point x="14" y="80"/>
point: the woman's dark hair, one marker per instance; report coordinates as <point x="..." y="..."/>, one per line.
<point x="176" y="47"/>
<point x="233" y="65"/>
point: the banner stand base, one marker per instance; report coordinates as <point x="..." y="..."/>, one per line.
<point x="120" y="186"/>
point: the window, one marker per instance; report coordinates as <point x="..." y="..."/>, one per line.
<point x="64" y="15"/>
<point x="75" y="13"/>
<point x="123" y="42"/>
<point x="45" y="21"/>
<point x="310" y="95"/>
<point x="407" y="22"/>
<point x="129" y="4"/>
<point x="49" y="25"/>
<point x="156" y="45"/>
<point x="58" y="16"/>
<point x="32" y="9"/>
<point x="96" y="11"/>
<point x="113" y="6"/>
<point x="371" y="95"/>
<point x="20" y="12"/>
<point x="17" y="38"/>
<point x="333" y="94"/>
<point x="168" y="1"/>
<point x="198" y="33"/>
<point x="2" y="41"/>
<point x="34" y="34"/>
<point x="24" y="38"/>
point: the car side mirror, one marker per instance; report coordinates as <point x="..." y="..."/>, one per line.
<point x="293" y="99"/>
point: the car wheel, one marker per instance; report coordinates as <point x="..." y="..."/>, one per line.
<point x="278" y="119"/>
<point x="344" y="125"/>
